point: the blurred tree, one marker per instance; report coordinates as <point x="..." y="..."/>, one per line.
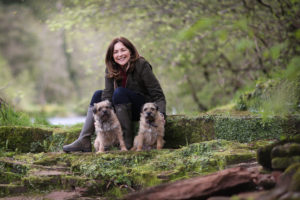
<point x="212" y="48"/>
<point x="202" y="51"/>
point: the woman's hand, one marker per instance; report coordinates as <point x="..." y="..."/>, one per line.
<point x="163" y="117"/>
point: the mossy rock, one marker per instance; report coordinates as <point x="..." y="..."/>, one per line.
<point x="33" y="139"/>
<point x="9" y="177"/>
<point x="41" y="183"/>
<point x="294" y="171"/>
<point x="23" y="139"/>
<point x="247" y="128"/>
<point x="281" y="163"/>
<point x="66" y="182"/>
<point x="183" y="130"/>
<point x="285" y="148"/>
<point x="113" y="173"/>
<point x="63" y="136"/>
<point x="8" y="189"/>
<point x="180" y="131"/>
<point x="239" y="158"/>
<point x="6" y="165"/>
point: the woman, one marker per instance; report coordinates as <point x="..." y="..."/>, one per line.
<point x="129" y="83"/>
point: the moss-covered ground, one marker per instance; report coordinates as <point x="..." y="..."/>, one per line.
<point x="31" y="161"/>
<point x="180" y="131"/>
<point x="115" y="173"/>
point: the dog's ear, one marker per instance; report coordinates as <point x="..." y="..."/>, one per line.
<point x="142" y="109"/>
<point x="156" y="106"/>
<point x="109" y="104"/>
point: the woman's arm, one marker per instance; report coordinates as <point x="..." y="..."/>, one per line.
<point x="109" y="88"/>
<point x="153" y="86"/>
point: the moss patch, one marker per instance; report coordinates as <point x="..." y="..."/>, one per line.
<point x="8" y="189"/>
<point x="23" y="139"/>
<point x="280" y="154"/>
<point x="9" y="177"/>
<point x="282" y="163"/>
<point x="179" y="131"/>
<point x="116" y="173"/>
<point x="247" y="129"/>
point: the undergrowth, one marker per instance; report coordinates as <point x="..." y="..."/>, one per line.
<point x="278" y="95"/>
<point x="10" y="117"/>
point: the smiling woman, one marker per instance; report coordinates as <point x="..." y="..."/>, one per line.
<point x="129" y="83"/>
<point x="121" y="54"/>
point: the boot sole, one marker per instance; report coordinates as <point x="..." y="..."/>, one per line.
<point x="76" y="150"/>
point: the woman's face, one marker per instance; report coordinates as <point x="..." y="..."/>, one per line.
<point x="121" y="54"/>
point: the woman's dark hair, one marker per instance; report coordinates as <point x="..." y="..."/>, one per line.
<point x="112" y="67"/>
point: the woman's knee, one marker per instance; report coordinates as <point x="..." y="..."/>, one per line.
<point x="120" y="96"/>
<point x="96" y="97"/>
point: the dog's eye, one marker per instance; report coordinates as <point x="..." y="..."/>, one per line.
<point x="152" y="109"/>
<point x="99" y="109"/>
<point x="145" y="109"/>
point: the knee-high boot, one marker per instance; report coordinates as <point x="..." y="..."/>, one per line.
<point x="123" y="112"/>
<point x="83" y="143"/>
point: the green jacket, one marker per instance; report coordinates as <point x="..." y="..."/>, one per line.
<point x="141" y="80"/>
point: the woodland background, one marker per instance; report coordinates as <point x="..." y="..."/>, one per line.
<point x="206" y="53"/>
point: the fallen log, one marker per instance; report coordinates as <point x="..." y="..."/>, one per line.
<point x="225" y="182"/>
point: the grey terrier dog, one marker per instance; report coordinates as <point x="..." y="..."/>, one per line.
<point x="151" y="130"/>
<point x="107" y="126"/>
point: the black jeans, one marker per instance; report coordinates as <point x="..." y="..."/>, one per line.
<point x="123" y="96"/>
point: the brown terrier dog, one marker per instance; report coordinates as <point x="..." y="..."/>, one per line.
<point x="107" y="126"/>
<point x="151" y="130"/>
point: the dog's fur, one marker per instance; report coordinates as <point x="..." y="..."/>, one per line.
<point x="107" y="126"/>
<point x="151" y="130"/>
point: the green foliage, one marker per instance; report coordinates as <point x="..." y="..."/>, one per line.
<point x="8" y="116"/>
<point x="292" y="72"/>
<point x="211" y="49"/>
<point x="277" y="97"/>
<point x="200" y="26"/>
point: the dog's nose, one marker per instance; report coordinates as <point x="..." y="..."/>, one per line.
<point x="148" y="113"/>
<point x="104" y="111"/>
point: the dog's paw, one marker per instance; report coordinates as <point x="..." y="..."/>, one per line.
<point x="133" y="149"/>
<point x="123" y="148"/>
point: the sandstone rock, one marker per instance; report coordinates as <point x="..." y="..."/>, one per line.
<point x="288" y="186"/>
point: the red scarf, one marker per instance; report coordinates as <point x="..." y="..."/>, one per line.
<point x="124" y="78"/>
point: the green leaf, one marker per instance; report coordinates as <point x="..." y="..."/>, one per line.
<point x="202" y="24"/>
<point x="275" y="50"/>
<point x="222" y="35"/>
<point x="297" y="34"/>
<point x="293" y="69"/>
<point x="242" y="24"/>
<point x="244" y="44"/>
